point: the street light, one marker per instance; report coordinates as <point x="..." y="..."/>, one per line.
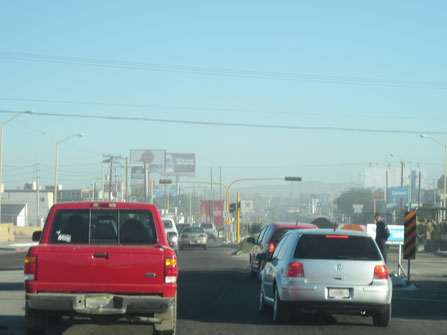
<point x="445" y="167"/>
<point x="1" y="152"/>
<point x="57" y="154"/>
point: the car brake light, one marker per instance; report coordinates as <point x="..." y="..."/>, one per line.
<point x="202" y="235"/>
<point x="294" y="270"/>
<point x="171" y="269"/>
<point x="380" y="272"/>
<point x="30" y="267"/>
<point x="271" y="247"/>
<point x="337" y="236"/>
<point x="185" y="236"/>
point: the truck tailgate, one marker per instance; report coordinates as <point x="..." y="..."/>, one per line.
<point x="96" y="268"/>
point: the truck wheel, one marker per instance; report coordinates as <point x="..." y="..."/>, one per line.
<point x="168" y="324"/>
<point x="36" y="322"/>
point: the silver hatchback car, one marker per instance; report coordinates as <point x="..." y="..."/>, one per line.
<point x="193" y="237"/>
<point x="339" y="272"/>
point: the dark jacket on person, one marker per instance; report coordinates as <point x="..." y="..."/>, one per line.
<point x="381" y="237"/>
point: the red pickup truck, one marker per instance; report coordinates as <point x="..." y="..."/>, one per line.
<point x="104" y="260"/>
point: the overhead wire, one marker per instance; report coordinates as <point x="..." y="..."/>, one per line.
<point x="226" y="72"/>
<point x="234" y="124"/>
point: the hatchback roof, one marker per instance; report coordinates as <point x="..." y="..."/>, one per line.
<point x="294" y="225"/>
<point x="331" y="232"/>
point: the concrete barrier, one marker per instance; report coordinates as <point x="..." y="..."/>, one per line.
<point x="25" y="231"/>
<point x="6" y="232"/>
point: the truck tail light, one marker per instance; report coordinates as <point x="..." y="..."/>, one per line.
<point x="380" y="272"/>
<point x="171" y="269"/>
<point x="30" y="267"/>
<point x="294" y="270"/>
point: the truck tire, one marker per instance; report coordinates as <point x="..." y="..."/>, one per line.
<point x="36" y="322"/>
<point x="168" y="324"/>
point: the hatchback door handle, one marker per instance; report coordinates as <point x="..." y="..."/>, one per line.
<point x="100" y="255"/>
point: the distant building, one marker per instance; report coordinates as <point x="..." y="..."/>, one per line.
<point x="36" y="209"/>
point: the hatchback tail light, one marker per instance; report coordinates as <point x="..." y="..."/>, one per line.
<point x="294" y="270"/>
<point x="380" y="272"/>
<point x="171" y="268"/>
<point x="271" y="247"/>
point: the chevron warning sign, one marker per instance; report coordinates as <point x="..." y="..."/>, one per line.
<point x="410" y="235"/>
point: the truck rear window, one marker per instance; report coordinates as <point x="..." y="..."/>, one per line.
<point x="324" y="247"/>
<point x="103" y="227"/>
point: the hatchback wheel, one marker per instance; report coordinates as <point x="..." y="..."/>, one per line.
<point x="253" y="274"/>
<point x="382" y="319"/>
<point x="279" y="311"/>
<point x="262" y="306"/>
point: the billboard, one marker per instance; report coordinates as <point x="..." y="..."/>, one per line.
<point x="180" y="164"/>
<point x="218" y="211"/>
<point x="154" y="159"/>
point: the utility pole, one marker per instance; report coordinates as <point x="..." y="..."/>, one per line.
<point x="127" y="179"/>
<point x="37" y="193"/>
<point x="111" y="159"/>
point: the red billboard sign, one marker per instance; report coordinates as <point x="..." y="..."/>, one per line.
<point x="205" y="211"/>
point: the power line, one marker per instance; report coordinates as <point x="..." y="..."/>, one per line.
<point x="211" y="109"/>
<point x="225" y="72"/>
<point x="244" y="125"/>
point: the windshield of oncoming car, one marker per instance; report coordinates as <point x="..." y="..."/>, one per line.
<point x="328" y="247"/>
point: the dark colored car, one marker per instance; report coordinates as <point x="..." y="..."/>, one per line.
<point x="268" y="239"/>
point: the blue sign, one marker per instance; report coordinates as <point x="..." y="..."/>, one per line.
<point x="397" y="233"/>
<point x="398" y="193"/>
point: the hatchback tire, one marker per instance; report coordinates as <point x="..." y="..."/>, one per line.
<point x="382" y="319"/>
<point x="253" y="274"/>
<point x="262" y="305"/>
<point x="279" y="311"/>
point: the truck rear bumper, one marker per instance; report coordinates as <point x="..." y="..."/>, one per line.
<point x="99" y="304"/>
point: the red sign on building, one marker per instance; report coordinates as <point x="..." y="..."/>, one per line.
<point x="205" y="211"/>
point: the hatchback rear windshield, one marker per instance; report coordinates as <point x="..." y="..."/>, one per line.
<point x="206" y="225"/>
<point x="336" y="247"/>
<point x="103" y="227"/>
<point x="195" y="230"/>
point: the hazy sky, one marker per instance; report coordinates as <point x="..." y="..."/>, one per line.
<point x="323" y="88"/>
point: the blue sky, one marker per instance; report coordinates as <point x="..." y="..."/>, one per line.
<point x="314" y="65"/>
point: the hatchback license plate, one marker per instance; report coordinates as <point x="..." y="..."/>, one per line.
<point x="338" y="293"/>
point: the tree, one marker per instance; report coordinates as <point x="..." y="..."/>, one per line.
<point x="355" y="196"/>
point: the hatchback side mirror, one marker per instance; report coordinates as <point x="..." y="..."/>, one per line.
<point x="251" y="240"/>
<point x="36" y="236"/>
<point x="262" y="256"/>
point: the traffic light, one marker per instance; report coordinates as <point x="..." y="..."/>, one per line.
<point x="293" y="178"/>
<point x="232" y="207"/>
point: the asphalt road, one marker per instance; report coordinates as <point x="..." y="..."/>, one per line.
<point x="216" y="296"/>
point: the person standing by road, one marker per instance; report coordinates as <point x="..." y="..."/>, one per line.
<point x="382" y="235"/>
